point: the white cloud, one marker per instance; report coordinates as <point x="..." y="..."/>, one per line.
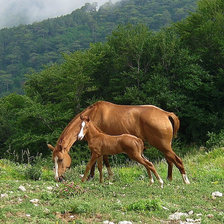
<point x="14" y="12"/>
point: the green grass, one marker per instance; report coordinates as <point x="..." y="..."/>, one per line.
<point x="127" y="197"/>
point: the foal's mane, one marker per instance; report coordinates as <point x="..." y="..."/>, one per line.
<point x="99" y="130"/>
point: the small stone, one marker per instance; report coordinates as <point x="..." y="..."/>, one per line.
<point x="34" y="201"/>
<point x="4" y="195"/>
<point x="46" y="210"/>
<point x="22" y="188"/>
<point x="50" y="188"/>
<point x="191" y="212"/>
<point x="177" y="216"/>
<point x="165" y="208"/>
<point x="124" y="222"/>
<point x="216" y="194"/>
<point x="107" y="222"/>
<point x="210" y="216"/>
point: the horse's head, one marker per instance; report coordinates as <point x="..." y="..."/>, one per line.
<point x="83" y="127"/>
<point x="62" y="161"/>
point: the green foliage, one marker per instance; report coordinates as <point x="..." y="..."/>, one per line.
<point x="11" y="170"/>
<point x="174" y="68"/>
<point x="129" y="175"/>
<point x="33" y="172"/>
<point x="117" y="201"/>
<point x="68" y="190"/>
<point x="215" y="140"/>
<point x="79" y="208"/>
<point x="145" y="205"/>
<point x="27" y="48"/>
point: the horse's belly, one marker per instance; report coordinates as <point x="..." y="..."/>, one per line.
<point x="111" y="151"/>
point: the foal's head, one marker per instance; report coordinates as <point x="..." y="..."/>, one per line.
<point x="62" y="161"/>
<point x="84" y="127"/>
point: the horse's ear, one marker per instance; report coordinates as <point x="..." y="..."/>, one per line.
<point x="50" y="147"/>
<point x="81" y="117"/>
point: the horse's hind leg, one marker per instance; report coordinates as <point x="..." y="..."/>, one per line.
<point x="170" y="170"/>
<point x="106" y="162"/>
<point x="172" y="157"/>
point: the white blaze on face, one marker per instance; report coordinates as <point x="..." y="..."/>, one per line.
<point x="81" y="134"/>
<point x="56" y="167"/>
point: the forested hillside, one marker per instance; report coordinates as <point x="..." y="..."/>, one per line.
<point x="24" y="49"/>
<point x="178" y="68"/>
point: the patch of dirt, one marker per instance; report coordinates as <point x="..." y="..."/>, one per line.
<point x="69" y="217"/>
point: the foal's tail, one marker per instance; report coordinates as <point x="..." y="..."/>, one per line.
<point x="175" y="123"/>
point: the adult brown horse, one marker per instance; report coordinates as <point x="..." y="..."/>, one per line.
<point x="150" y="123"/>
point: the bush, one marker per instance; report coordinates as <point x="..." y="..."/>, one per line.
<point x="79" y="208"/>
<point x="145" y="205"/>
<point x="33" y="172"/>
<point x="68" y="190"/>
<point x="215" y="140"/>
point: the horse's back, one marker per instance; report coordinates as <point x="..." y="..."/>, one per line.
<point x="147" y="122"/>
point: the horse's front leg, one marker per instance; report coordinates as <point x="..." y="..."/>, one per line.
<point x="89" y="165"/>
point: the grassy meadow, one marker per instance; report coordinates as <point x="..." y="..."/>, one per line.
<point x="127" y="197"/>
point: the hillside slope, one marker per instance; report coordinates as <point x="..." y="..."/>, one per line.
<point x="24" y="49"/>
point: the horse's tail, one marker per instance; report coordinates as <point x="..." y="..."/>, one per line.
<point x="175" y="123"/>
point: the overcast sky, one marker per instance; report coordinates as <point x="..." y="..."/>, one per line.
<point x="14" y="12"/>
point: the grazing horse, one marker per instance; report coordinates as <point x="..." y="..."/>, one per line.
<point x="102" y="144"/>
<point x="150" y="123"/>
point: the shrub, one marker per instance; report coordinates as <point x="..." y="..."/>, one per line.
<point x="33" y="172"/>
<point x="145" y="205"/>
<point x="79" y="208"/>
<point x="215" y="140"/>
<point x="68" y="190"/>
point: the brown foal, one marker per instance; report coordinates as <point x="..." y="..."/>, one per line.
<point x="102" y="144"/>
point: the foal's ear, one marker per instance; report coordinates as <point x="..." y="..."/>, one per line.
<point x="86" y="118"/>
<point x="50" y="147"/>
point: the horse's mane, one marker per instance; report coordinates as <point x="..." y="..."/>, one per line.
<point x="69" y="126"/>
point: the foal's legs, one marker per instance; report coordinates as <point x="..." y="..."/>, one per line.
<point x="106" y="162"/>
<point x="100" y="167"/>
<point x="89" y="165"/>
<point x="149" y="166"/>
<point x="92" y="172"/>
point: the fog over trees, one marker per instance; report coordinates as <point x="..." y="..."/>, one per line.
<point x="16" y="12"/>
